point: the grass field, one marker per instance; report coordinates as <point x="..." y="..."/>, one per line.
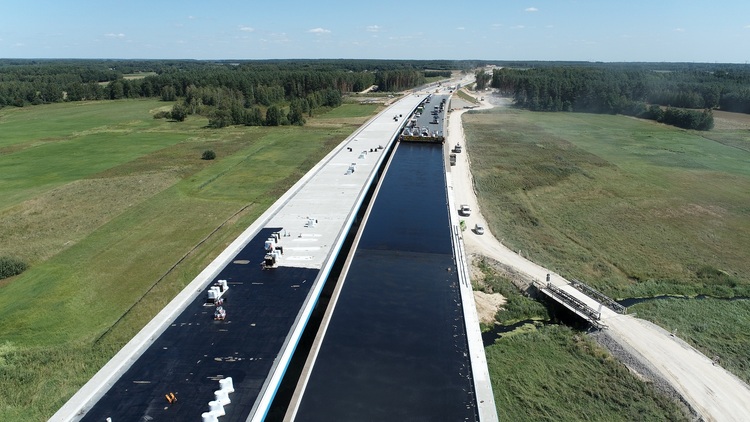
<point x="631" y="207"/>
<point x="634" y="208"/>
<point x="715" y="327"/>
<point x="553" y="373"/>
<point x="466" y="97"/>
<point x="103" y="200"/>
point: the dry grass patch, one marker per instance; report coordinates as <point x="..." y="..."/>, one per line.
<point x="487" y="305"/>
<point x="724" y="120"/>
<point x="39" y="228"/>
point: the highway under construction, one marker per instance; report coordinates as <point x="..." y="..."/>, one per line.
<point x="221" y="348"/>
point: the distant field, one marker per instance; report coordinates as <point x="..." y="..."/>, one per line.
<point x="102" y="200"/>
<point x="632" y="207"/>
<point x="347" y="111"/>
<point x="139" y="75"/>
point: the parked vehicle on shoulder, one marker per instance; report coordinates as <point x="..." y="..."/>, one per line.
<point x="465" y="210"/>
<point x="479" y="229"/>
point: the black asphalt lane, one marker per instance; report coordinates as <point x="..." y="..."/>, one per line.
<point x="195" y="352"/>
<point x="395" y="348"/>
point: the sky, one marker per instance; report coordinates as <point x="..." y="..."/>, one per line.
<point x="568" y="30"/>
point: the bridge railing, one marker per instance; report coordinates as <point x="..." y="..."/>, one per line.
<point x="598" y="296"/>
<point x="573" y="302"/>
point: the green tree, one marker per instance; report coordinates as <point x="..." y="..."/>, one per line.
<point x="219" y="119"/>
<point x="179" y="112"/>
<point x="482" y="78"/>
<point x="332" y="98"/>
<point x="273" y="116"/>
<point x="254" y="117"/>
<point x="168" y="93"/>
<point x="296" y="114"/>
<point x="10" y="266"/>
<point x="116" y="90"/>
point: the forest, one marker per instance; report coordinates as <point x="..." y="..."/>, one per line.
<point x="285" y="92"/>
<point x="679" y="94"/>
<point x="259" y="92"/>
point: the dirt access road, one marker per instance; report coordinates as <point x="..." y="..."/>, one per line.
<point x="712" y="392"/>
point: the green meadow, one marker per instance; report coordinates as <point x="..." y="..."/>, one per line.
<point x="631" y="207"/>
<point x="115" y="213"/>
<point x="551" y="373"/>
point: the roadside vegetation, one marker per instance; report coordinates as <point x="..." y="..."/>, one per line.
<point x="518" y="307"/>
<point x="115" y="212"/>
<point x="549" y="372"/>
<point x="631" y="207"/>
<point x="718" y="328"/>
<point x="466" y="97"/>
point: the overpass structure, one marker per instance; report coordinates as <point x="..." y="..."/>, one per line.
<point x="220" y="349"/>
<point x="400" y="342"/>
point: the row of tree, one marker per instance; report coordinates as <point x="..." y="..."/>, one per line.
<point x="273" y="92"/>
<point x="225" y="107"/>
<point x="26" y="82"/>
<point x="629" y="89"/>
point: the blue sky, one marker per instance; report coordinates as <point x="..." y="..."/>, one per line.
<point x="588" y="30"/>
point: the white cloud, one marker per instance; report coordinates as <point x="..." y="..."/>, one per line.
<point x="113" y="35"/>
<point x="747" y="27"/>
<point x="374" y="28"/>
<point x="275" y="38"/>
<point x="319" y="31"/>
<point x="679" y="30"/>
<point x="246" y="28"/>
<point x="191" y="17"/>
<point x="460" y="28"/>
<point x="519" y="27"/>
<point x="531" y="9"/>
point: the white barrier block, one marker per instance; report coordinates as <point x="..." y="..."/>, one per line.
<point x="216" y="408"/>
<point x="227" y="384"/>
